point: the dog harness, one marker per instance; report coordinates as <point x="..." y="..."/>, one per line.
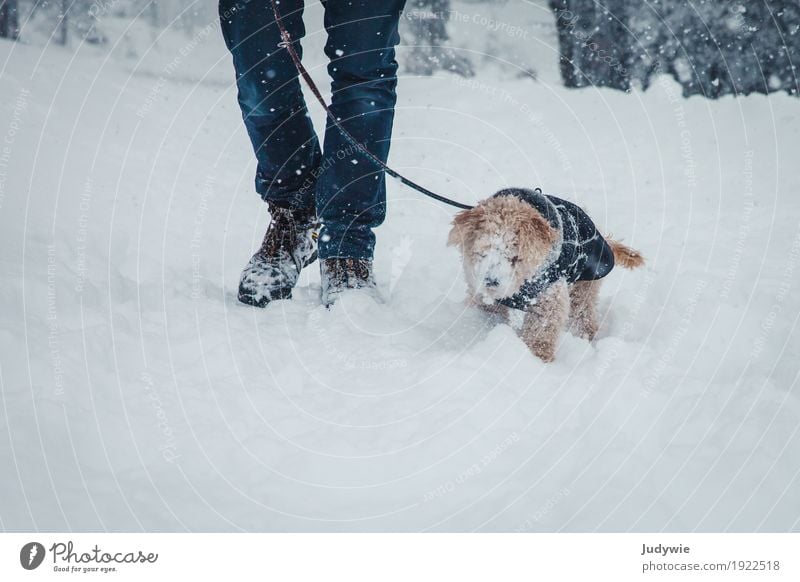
<point x="579" y="254"/>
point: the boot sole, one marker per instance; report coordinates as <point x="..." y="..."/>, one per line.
<point x="263" y="301"/>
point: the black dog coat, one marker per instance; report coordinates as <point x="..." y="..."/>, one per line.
<point x="580" y="254"/>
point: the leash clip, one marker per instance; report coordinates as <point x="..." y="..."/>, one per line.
<point x="286" y="39"/>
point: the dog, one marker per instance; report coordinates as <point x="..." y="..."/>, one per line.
<point x="537" y="261"/>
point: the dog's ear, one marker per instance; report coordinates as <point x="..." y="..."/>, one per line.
<point x="463" y="224"/>
<point x="534" y="231"/>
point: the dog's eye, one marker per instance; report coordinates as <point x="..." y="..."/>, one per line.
<point x="514" y="261"/>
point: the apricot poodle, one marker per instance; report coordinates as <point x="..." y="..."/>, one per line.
<point x="537" y="261"/>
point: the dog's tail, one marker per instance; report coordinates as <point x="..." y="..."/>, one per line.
<point x="625" y="256"/>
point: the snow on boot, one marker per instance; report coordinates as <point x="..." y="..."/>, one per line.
<point x="290" y="244"/>
<point x="339" y="275"/>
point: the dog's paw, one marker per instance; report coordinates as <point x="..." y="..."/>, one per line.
<point x="545" y="352"/>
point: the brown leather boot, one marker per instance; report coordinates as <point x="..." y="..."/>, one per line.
<point x="338" y="275"/>
<point x="290" y="244"/>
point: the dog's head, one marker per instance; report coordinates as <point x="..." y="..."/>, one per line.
<point x="503" y="241"/>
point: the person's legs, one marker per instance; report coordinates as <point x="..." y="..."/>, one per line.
<point x="351" y="191"/>
<point x="284" y="142"/>
<point x="272" y="104"/>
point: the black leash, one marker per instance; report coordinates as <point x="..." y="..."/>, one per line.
<point x="286" y="42"/>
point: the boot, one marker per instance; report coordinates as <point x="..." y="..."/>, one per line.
<point x="290" y="244"/>
<point x="340" y="274"/>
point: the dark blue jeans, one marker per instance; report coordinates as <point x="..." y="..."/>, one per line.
<point x="348" y="190"/>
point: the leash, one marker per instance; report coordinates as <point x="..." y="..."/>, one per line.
<point x="286" y="42"/>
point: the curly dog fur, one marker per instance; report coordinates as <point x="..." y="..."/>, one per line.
<point x="503" y="243"/>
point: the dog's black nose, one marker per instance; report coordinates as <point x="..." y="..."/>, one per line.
<point x="491" y="282"/>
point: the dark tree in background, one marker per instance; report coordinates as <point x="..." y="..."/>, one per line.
<point x="79" y="18"/>
<point x="589" y="36"/>
<point x="9" y="19"/>
<point x="69" y="22"/>
<point x="425" y="32"/>
<point x="712" y="47"/>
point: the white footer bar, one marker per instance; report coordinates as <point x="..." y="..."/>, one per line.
<point x="400" y="557"/>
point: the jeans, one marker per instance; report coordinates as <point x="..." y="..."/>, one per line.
<point x="348" y="190"/>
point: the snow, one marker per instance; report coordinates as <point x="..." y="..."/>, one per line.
<point x="138" y="394"/>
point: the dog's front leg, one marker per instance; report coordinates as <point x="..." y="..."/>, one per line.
<point x="494" y="310"/>
<point x="544" y="321"/>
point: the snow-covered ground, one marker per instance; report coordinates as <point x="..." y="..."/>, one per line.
<point x="137" y="394"/>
